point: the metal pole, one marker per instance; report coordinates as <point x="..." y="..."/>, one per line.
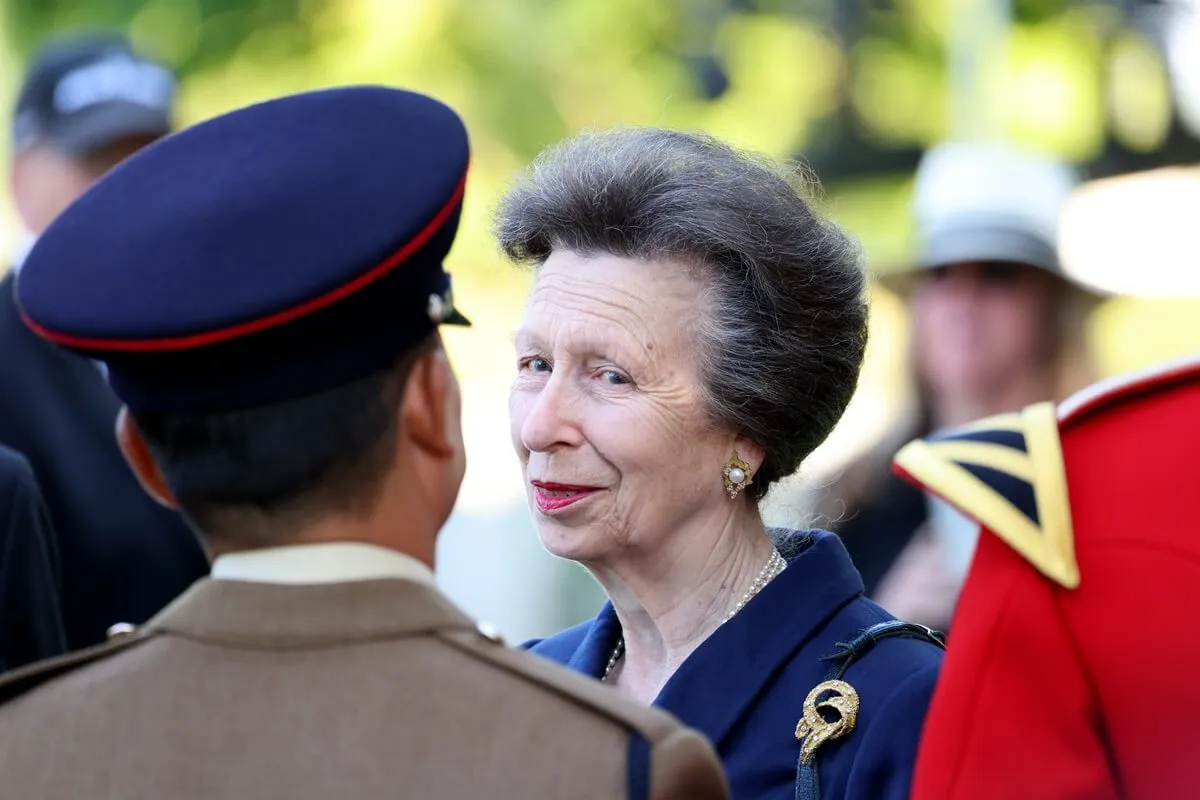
<point x="978" y="38"/>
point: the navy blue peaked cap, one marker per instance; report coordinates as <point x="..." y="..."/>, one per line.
<point x="268" y="254"/>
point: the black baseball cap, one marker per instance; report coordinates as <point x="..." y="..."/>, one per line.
<point x="87" y="91"/>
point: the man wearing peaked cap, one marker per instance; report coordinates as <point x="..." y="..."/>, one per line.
<point x="265" y="289"/>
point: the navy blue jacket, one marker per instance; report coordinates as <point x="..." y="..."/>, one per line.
<point x="745" y="686"/>
<point x="123" y="557"/>
<point x="31" y="626"/>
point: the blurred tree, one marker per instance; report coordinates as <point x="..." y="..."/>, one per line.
<point x="192" y="34"/>
<point x="1072" y="77"/>
<point x="857" y="88"/>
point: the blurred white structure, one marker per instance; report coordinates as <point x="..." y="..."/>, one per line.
<point x="1137" y="234"/>
<point x="1181" y="43"/>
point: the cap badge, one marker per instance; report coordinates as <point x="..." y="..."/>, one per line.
<point x="441" y="306"/>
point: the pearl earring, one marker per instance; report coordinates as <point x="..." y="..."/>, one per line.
<point x="738" y="476"/>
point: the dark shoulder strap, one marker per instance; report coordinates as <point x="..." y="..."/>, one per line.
<point x="831" y="708"/>
<point x="643" y="725"/>
<point x="20" y="681"/>
<point x="639" y="766"/>
<point x="585" y="693"/>
<point x="864" y="641"/>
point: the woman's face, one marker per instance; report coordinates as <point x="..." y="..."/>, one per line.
<point x="606" y="411"/>
<point x="978" y="325"/>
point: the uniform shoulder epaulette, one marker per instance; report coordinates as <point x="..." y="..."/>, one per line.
<point x="588" y="694"/>
<point x="25" y="679"/>
<point x="1108" y="394"/>
<point x="1006" y="473"/>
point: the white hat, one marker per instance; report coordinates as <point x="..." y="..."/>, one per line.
<point x="980" y="201"/>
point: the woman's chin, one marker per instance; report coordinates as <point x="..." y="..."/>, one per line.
<point x="573" y="544"/>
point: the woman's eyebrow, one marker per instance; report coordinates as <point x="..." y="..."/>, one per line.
<point x="525" y="337"/>
<point x="585" y="347"/>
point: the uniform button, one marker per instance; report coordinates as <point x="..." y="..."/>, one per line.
<point x="489" y="632"/>
<point x="121" y="629"/>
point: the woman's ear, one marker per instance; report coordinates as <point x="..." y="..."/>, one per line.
<point x="749" y="452"/>
<point x="743" y="462"/>
<point x="141" y="461"/>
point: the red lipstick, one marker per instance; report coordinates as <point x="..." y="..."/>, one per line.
<point x="553" y="497"/>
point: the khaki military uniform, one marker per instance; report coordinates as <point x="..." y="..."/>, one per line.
<point x="372" y="688"/>
<point x="332" y="671"/>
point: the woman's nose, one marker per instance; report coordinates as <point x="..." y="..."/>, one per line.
<point x="552" y="418"/>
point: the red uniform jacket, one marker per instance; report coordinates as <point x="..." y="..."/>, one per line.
<point x="1073" y="668"/>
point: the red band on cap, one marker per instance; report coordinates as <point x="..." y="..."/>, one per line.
<point x="273" y="320"/>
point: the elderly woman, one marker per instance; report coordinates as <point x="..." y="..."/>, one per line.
<point x="694" y="332"/>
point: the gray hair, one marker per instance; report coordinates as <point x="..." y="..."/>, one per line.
<point x="782" y="343"/>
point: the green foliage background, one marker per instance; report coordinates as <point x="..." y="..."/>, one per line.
<point x="805" y="78"/>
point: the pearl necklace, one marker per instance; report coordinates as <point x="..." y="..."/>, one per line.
<point x="775" y="565"/>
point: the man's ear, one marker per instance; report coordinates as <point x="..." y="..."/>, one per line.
<point x="141" y="461"/>
<point x="19" y="174"/>
<point x="425" y="416"/>
<point x="16" y="166"/>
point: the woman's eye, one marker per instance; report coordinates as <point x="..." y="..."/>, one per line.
<point x="537" y="364"/>
<point x="614" y="377"/>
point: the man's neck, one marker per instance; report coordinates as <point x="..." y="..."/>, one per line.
<point x="420" y="548"/>
<point x="1017" y="393"/>
<point x="416" y="540"/>
<point x="670" y="601"/>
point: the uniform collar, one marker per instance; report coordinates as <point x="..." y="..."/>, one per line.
<point x="326" y="562"/>
<point x="275" y="616"/>
<point x="739" y="658"/>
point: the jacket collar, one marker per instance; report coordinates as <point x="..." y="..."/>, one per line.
<point x="274" y="616"/>
<point x="320" y="562"/>
<point x="717" y="683"/>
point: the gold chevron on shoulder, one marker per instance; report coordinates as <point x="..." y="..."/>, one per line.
<point x="1006" y="473"/>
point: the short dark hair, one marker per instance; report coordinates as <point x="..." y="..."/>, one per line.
<point x="245" y="477"/>
<point x="783" y="341"/>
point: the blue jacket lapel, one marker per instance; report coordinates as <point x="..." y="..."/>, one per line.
<point x="584" y="648"/>
<point x="724" y="677"/>
<point x="720" y="681"/>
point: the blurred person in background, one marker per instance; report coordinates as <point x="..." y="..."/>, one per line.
<point x="88" y="102"/>
<point x="1088" y="561"/>
<point x="30" y="620"/>
<point x="694" y="332"/>
<point x="309" y="425"/>
<point x="996" y="325"/>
